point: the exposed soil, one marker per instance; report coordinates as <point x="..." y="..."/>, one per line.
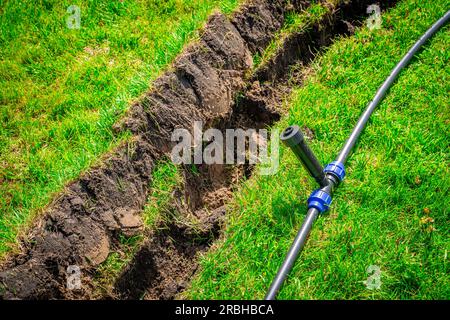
<point x="82" y="224"/>
<point x="165" y="263"/>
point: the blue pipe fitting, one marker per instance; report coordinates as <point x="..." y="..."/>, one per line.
<point x="320" y="200"/>
<point x="337" y="169"/>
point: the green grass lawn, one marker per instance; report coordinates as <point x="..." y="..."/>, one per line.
<point x="62" y="89"/>
<point x="392" y="210"/>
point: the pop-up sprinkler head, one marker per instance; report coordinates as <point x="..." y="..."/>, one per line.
<point x="294" y="139"/>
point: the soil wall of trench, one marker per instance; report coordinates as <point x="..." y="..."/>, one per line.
<point x="211" y="81"/>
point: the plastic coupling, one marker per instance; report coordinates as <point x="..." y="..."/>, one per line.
<point x="337" y="169"/>
<point x="320" y="200"/>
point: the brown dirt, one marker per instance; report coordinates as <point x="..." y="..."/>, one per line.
<point x="163" y="265"/>
<point x="82" y="225"/>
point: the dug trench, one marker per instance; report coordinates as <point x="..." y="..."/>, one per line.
<point x="212" y="81"/>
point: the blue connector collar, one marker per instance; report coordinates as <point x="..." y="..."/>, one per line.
<point x="337" y="169"/>
<point x="320" y="200"/>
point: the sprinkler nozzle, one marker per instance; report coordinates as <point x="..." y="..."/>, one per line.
<point x="294" y="139"/>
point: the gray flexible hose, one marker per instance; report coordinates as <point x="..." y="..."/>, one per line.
<point x="349" y="144"/>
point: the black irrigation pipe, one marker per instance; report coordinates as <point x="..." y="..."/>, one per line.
<point x="330" y="177"/>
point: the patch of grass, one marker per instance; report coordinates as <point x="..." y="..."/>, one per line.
<point x="62" y="89"/>
<point x="165" y="179"/>
<point x="392" y="210"/>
